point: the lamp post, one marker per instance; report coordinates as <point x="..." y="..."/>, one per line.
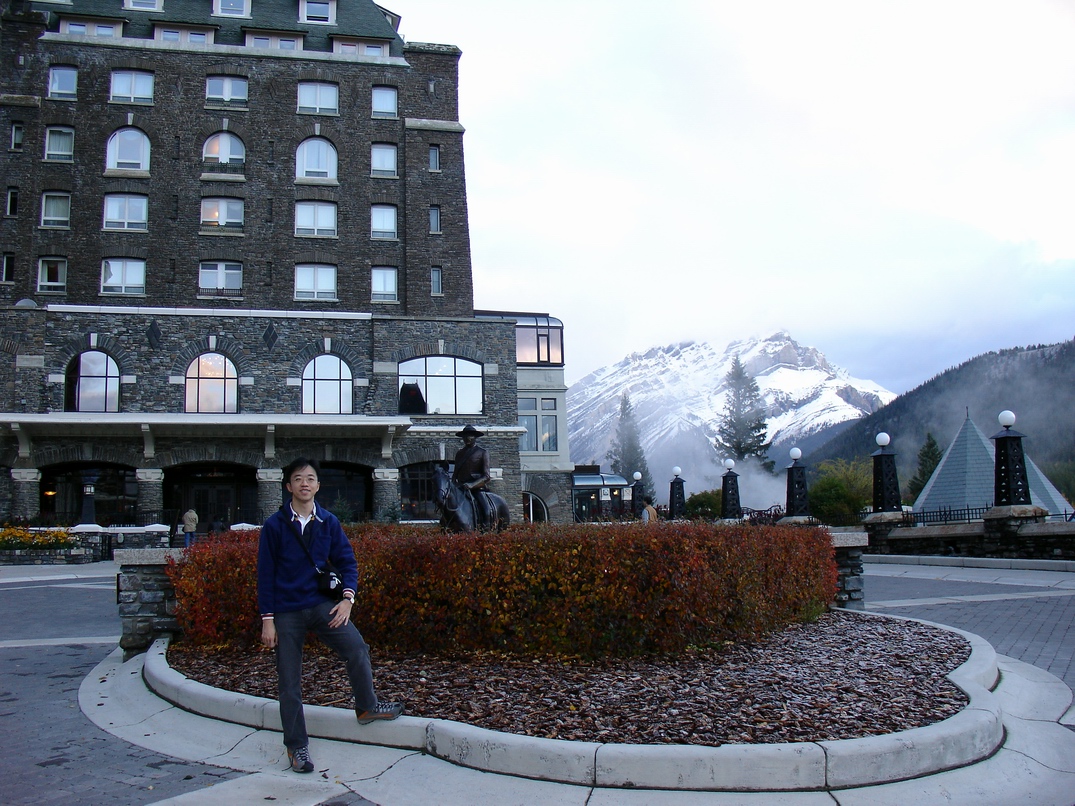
<point x="1010" y="484"/>
<point x="729" y="493"/>
<point x="797" y="505"/>
<point x="886" y="485"/>
<point x="636" y="494"/>
<point x="677" y="505"/>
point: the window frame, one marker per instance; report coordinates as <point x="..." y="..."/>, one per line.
<point x="228" y="97"/>
<point x="434" y="219"/>
<point x="104" y="30"/>
<point x="156" y="5"/>
<point x="125" y="287"/>
<point x="434" y="158"/>
<point x="7" y="268"/>
<point x="213" y="163"/>
<point x="128" y="223"/>
<point x="318" y="108"/>
<point x="218" y="9"/>
<point x="384" y="234"/>
<point x="57" y="93"/>
<point x="224" y="271"/>
<point x="18" y="136"/>
<point x="134" y="98"/>
<point x="271" y="41"/>
<point x="406" y="372"/>
<point x="228" y="380"/>
<point x="384" y="284"/>
<point x="113" y="151"/>
<point x="55" y="194"/>
<point x="316" y="207"/>
<point x="309" y="172"/>
<point x="314" y="291"/>
<point x="75" y="379"/>
<point x="387" y="156"/>
<point x="304" y="13"/>
<point x="436" y="281"/>
<point x="183" y="34"/>
<point x="383" y="91"/>
<point x="57" y="286"/>
<point x="11" y="203"/>
<point x="312" y="383"/>
<point x="53" y="155"/>
<point x="225" y="210"/>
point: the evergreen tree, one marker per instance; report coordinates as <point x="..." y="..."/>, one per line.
<point x="929" y="456"/>
<point x="626" y="454"/>
<point x="742" y="429"/>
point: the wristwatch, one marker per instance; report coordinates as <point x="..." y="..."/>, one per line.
<point x="349" y="596"/>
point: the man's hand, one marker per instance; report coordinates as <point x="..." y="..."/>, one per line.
<point x="268" y="633"/>
<point x="340" y="614"/>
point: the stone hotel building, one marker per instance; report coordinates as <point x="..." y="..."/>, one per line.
<point x="235" y="232"/>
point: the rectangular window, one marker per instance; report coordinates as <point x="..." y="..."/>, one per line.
<point x="63" y="83"/>
<point x="123" y="276"/>
<point x="434" y="219"/>
<point x="59" y="143"/>
<point x="372" y="50"/>
<point x="528" y="441"/>
<point x="319" y="98"/>
<point x="145" y="5"/>
<point x="126" y="211"/>
<point x="346" y="48"/>
<point x="548" y="432"/>
<point x="384" y="284"/>
<point x="273" y="41"/>
<point x="52" y="274"/>
<point x="231" y="8"/>
<point x="384" y="102"/>
<point x="225" y="214"/>
<point x="383" y="160"/>
<point x="7" y="270"/>
<point x="17" y="132"/>
<point x="132" y="87"/>
<point x="12" y="206"/>
<point x="315" y="219"/>
<point x="198" y="37"/>
<point x="434" y="158"/>
<point x="104" y="29"/>
<point x="317" y="11"/>
<point x="77" y="28"/>
<point x="527" y="404"/>
<point x="220" y="279"/>
<point x="226" y="90"/>
<point x="55" y="209"/>
<point x="183" y="35"/>
<point x="548" y="404"/>
<point x="315" y="281"/>
<point x="383" y="218"/>
<point x="436" y="281"/>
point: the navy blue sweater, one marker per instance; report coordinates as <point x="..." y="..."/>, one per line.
<point x="287" y="580"/>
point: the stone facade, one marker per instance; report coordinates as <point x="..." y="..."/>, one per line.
<point x="269" y="322"/>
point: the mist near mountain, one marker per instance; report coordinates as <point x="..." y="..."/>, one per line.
<point x="678" y="396"/>
<point x="1036" y="382"/>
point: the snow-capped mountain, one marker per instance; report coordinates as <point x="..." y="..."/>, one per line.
<point x="678" y="397"/>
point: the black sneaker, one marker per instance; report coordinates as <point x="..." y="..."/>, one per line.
<point x="383" y="710"/>
<point x="300" y="760"/>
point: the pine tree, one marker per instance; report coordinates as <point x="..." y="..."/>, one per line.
<point x="742" y="429"/>
<point x="625" y="454"/>
<point x="929" y="456"/>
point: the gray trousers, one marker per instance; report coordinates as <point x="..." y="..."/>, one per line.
<point x="345" y="641"/>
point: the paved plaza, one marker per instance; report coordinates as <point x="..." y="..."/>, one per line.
<point x="60" y="622"/>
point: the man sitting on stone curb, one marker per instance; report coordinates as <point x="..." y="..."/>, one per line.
<point x="296" y="541"/>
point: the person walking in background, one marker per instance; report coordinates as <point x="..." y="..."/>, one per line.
<point x="297" y="543"/>
<point x="649" y="514"/>
<point x="190" y="526"/>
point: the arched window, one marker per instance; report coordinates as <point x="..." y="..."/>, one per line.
<point x="128" y="149"/>
<point x="448" y="385"/>
<point x="534" y="509"/>
<point x="315" y="159"/>
<point x="327" y="386"/>
<point x="212" y="385"/>
<point x="92" y="383"/>
<point x="224" y="148"/>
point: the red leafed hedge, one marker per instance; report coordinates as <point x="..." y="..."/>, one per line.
<point x="583" y="590"/>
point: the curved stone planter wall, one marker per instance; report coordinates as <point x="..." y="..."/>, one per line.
<point x="970" y="736"/>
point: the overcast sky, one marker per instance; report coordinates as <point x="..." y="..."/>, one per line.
<point x="892" y="183"/>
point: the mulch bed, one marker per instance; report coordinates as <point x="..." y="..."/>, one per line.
<point x="843" y="676"/>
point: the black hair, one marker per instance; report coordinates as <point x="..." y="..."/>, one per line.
<point x="648" y="500"/>
<point x="299" y="464"/>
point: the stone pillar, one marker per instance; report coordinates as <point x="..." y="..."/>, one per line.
<point x="27" y="498"/>
<point x="150" y="489"/>
<point x="847" y="547"/>
<point x="386" y="494"/>
<point x="270" y="493"/>
<point x="146" y="597"/>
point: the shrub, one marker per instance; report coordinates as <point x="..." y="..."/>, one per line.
<point x="20" y="537"/>
<point x="705" y="504"/>
<point x="583" y="590"/>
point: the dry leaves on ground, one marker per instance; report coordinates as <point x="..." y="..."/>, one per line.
<point x="843" y="676"/>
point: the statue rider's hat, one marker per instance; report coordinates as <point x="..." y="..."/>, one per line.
<point x="470" y="431"/>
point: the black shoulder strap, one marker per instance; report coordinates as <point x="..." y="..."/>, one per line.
<point x="302" y="543"/>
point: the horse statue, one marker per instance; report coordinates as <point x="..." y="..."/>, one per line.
<point x="456" y="505"/>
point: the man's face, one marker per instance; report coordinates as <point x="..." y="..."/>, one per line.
<point x="469" y="440"/>
<point x="303" y="484"/>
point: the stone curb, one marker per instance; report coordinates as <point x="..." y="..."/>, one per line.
<point x="970" y="736"/>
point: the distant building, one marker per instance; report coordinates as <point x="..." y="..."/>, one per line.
<point x="236" y="232"/>
<point x="964" y="478"/>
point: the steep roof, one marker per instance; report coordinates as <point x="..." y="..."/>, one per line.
<point x="964" y="477"/>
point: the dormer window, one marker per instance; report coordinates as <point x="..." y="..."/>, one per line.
<point x="144" y="5"/>
<point x="89" y="28"/>
<point x="320" y="12"/>
<point x="275" y="41"/>
<point x="183" y="36"/>
<point x="231" y="8"/>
